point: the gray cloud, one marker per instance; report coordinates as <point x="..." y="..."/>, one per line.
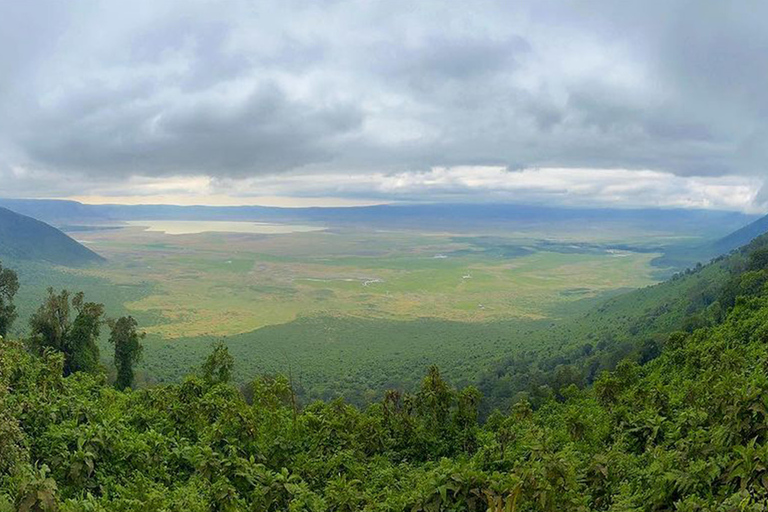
<point x="260" y="132"/>
<point x="238" y="89"/>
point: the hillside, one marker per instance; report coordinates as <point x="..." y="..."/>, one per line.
<point x="26" y="239"/>
<point x="683" y="430"/>
<point x="681" y="257"/>
<point x="742" y="236"/>
<point x="633" y="325"/>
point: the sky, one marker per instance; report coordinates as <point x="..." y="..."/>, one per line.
<point x="652" y="103"/>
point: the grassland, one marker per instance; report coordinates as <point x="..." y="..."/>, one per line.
<point x="349" y="311"/>
<point x="217" y="284"/>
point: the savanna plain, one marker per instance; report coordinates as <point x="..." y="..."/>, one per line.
<point x="349" y="310"/>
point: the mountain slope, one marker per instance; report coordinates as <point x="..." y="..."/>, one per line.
<point x="634" y="325"/>
<point x="743" y="236"/>
<point x="24" y="238"/>
<point x="678" y="257"/>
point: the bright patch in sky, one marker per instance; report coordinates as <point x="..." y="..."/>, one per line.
<point x="568" y="187"/>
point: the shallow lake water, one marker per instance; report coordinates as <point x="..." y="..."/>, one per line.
<point x="190" y="227"/>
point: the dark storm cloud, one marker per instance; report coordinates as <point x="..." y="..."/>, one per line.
<point x="260" y="132"/>
<point x="114" y="90"/>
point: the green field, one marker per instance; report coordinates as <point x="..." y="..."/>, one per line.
<point x="347" y="311"/>
<point x="226" y="284"/>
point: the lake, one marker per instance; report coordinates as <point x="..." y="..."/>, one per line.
<point x="190" y="227"/>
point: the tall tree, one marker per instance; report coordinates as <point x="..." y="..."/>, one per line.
<point x="52" y="328"/>
<point x="217" y="368"/>
<point x="126" y="339"/>
<point x="84" y="334"/>
<point x="50" y="323"/>
<point x="9" y="285"/>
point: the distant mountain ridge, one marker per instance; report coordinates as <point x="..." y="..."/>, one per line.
<point x="708" y="223"/>
<point x="27" y="239"/>
<point x="710" y="233"/>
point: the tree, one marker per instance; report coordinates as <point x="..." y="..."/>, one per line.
<point x="9" y="285"/>
<point x="52" y="328"/>
<point x="217" y="368"/>
<point x="758" y="259"/>
<point x="436" y="397"/>
<point x="82" y="336"/>
<point x="126" y="339"/>
<point x="51" y="321"/>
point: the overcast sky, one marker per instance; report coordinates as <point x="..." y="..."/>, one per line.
<point x="624" y="103"/>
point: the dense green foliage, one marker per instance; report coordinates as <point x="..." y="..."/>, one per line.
<point x="52" y="328"/>
<point x="631" y="326"/>
<point x="126" y="339"/>
<point x="9" y="286"/>
<point x="358" y="359"/>
<point x="217" y="368"/>
<point x="684" y="431"/>
<point x="25" y="238"/>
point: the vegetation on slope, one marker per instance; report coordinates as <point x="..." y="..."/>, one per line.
<point x="685" y="431"/>
<point x="630" y="326"/>
<point x="24" y="238"/>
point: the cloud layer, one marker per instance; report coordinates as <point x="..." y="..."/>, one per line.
<point x="99" y="98"/>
